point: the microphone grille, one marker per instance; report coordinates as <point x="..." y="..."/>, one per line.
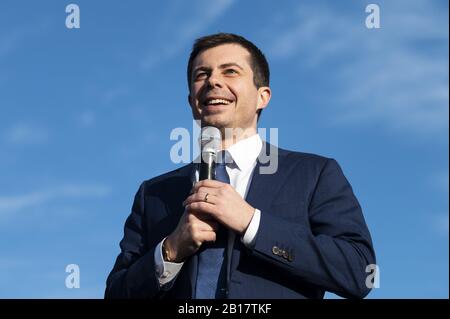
<point x="211" y="139"/>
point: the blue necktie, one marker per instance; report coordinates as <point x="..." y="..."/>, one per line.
<point x="212" y="272"/>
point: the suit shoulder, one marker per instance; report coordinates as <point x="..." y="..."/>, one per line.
<point x="306" y="158"/>
<point x="181" y="172"/>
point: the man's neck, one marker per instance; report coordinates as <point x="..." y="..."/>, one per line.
<point x="233" y="136"/>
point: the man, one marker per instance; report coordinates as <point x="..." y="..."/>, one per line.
<point x="295" y="233"/>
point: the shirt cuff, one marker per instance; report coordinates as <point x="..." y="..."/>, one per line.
<point x="166" y="271"/>
<point x="249" y="237"/>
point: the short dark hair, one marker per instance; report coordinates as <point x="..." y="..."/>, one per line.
<point x="258" y="62"/>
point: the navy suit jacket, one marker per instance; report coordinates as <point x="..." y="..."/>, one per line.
<point x="312" y="235"/>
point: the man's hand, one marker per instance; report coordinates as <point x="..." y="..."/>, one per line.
<point x="201" y="218"/>
<point x="192" y="230"/>
<point x="223" y="204"/>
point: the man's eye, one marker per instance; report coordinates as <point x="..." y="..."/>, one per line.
<point x="230" y="71"/>
<point x="200" y="75"/>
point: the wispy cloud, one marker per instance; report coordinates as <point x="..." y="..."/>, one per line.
<point x="7" y="263"/>
<point x="10" y="41"/>
<point x="35" y="199"/>
<point x="112" y="94"/>
<point x="191" y="18"/>
<point x="26" y="134"/>
<point x="14" y="38"/>
<point x="87" y="118"/>
<point x="396" y="75"/>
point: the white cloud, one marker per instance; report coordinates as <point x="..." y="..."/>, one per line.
<point x="396" y="75"/>
<point x="185" y="22"/>
<point x="35" y="199"/>
<point x="26" y="134"/>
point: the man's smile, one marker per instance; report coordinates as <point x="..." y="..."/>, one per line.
<point x="215" y="103"/>
<point x="216" y="100"/>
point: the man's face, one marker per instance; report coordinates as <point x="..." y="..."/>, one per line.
<point x="222" y="91"/>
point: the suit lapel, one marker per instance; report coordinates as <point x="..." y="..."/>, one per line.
<point x="263" y="186"/>
<point x="261" y="192"/>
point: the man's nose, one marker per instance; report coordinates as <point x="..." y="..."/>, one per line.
<point x="214" y="80"/>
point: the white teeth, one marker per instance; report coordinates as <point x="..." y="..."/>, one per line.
<point x="218" y="101"/>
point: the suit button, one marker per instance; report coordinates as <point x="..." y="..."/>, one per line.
<point x="275" y="250"/>
<point x="291" y="257"/>
<point x="285" y="254"/>
<point x="224" y="292"/>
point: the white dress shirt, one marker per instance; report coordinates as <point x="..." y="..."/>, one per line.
<point x="244" y="155"/>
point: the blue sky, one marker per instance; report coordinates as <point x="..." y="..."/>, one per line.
<point x="86" y="116"/>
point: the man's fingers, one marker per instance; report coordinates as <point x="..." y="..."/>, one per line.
<point x="208" y="236"/>
<point x="203" y="207"/>
<point x="203" y="222"/>
<point x="203" y="236"/>
<point x="210" y="183"/>
<point x="210" y="226"/>
<point x="194" y="216"/>
<point x="201" y="196"/>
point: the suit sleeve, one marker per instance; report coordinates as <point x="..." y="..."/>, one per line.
<point x="134" y="274"/>
<point x="333" y="251"/>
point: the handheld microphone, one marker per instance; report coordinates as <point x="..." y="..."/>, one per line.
<point x="211" y="138"/>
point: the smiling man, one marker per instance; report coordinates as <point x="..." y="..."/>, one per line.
<point x="225" y="91"/>
<point x="295" y="233"/>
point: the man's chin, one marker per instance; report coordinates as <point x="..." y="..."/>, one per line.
<point x="215" y="120"/>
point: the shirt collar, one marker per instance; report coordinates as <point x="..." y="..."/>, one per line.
<point x="246" y="151"/>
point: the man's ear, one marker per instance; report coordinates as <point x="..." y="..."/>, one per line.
<point x="264" y="94"/>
